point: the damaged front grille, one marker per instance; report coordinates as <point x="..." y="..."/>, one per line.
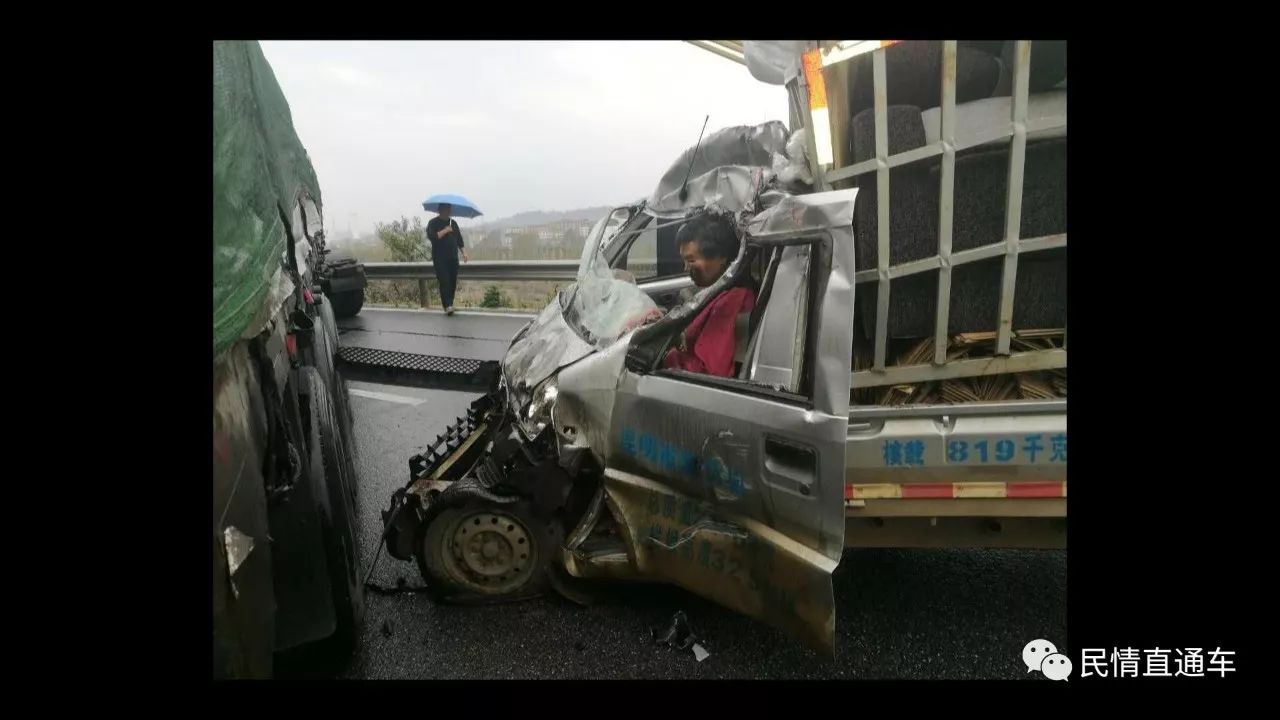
<point x="447" y="444"/>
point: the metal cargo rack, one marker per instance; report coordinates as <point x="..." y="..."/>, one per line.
<point x="826" y="65"/>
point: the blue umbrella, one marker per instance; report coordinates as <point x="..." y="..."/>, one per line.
<point x="461" y="206"/>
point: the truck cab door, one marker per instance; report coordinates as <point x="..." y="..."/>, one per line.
<point x="733" y="488"/>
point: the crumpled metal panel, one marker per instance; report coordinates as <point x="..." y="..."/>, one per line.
<point x="730" y="188"/>
<point x="674" y="433"/>
<point x="546" y="346"/>
<point x="829" y="212"/>
<point x="801" y="213"/>
<point x="713" y="532"/>
<point x="732" y="560"/>
<point x="743" y="145"/>
<point x="831" y="390"/>
<point x="586" y="399"/>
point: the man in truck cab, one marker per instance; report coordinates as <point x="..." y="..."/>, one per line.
<point x="708" y="244"/>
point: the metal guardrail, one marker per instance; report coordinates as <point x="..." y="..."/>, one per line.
<point x="544" y="270"/>
<point x="549" y="270"/>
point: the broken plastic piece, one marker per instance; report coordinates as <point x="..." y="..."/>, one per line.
<point x="679" y="635"/>
<point x="700" y="653"/>
<point x="237" y="546"/>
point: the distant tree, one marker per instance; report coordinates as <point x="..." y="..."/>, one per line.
<point x="404" y="239"/>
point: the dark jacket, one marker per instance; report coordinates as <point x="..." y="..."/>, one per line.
<point x="447" y="247"/>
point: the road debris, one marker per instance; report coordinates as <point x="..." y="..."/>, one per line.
<point x="680" y="635"/>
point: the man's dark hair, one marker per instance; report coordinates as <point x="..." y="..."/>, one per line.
<point x="714" y="234"/>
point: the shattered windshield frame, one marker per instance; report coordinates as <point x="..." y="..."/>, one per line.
<point x="601" y="233"/>
<point x="601" y="305"/>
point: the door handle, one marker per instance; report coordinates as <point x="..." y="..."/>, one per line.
<point x="790" y="465"/>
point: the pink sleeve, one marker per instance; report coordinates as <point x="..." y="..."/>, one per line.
<point x="715" y="345"/>
<point x="712" y="352"/>
<point x="677" y="360"/>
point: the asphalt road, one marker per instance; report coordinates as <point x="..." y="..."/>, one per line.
<point x="911" y="614"/>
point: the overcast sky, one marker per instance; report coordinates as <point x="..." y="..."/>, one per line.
<point x="513" y="126"/>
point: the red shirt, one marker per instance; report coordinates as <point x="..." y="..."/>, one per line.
<point x="710" y="337"/>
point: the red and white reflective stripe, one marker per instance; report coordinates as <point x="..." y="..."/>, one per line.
<point x="818" y="114"/>
<point x="1037" y="490"/>
<point x="955" y="491"/>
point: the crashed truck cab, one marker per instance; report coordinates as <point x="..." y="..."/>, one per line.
<point x="591" y="461"/>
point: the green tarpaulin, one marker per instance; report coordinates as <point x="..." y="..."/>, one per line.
<point x="260" y="170"/>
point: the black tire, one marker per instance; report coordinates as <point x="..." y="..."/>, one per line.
<point x="450" y="574"/>
<point x="337" y="528"/>
<point x="347" y="304"/>
<point x="326" y="353"/>
<point x="340" y="482"/>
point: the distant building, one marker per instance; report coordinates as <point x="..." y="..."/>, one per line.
<point x="551" y="235"/>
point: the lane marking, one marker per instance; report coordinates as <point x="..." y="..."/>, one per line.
<point x="388" y="397"/>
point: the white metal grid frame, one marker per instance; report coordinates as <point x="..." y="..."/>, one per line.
<point x="944" y="261"/>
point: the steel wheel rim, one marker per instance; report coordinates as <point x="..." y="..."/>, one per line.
<point x="489" y="551"/>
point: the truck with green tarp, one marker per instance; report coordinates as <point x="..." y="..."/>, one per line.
<point x="285" y="576"/>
